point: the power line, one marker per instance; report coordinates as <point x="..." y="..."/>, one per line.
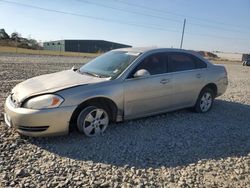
<point x="218" y="37"/>
<point x="217" y="28"/>
<point x="155" y="16"/>
<point x="129" y="11"/>
<point x="87" y="16"/>
<point x="171" y="13"/>
<point x="183" y="16"/>
<point x="112" y="20"/>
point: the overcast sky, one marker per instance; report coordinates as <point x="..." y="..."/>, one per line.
<point x="222" y="25"/>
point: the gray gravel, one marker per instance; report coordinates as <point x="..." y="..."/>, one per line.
<point x="177" y="149"/>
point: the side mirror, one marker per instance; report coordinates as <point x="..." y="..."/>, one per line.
<point x="141" y="73"/>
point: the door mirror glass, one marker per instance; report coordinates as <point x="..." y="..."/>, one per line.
<point x="141" y="73"/>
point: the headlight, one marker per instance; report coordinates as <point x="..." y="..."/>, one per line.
<point x="44" y="101"/>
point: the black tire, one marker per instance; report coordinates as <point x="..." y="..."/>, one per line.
<point x="198" y="106"/>
<point x="81" y="119"/>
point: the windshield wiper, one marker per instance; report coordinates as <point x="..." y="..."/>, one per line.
<point x="92" y="74"/>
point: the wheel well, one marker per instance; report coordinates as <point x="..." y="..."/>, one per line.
<point x="94" y="101"/>
<point x="211" y="86"/>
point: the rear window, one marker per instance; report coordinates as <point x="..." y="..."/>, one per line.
<point x="182" y="62"/>
<point x="199" y="63"/>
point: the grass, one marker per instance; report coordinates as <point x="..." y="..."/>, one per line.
<point x="7" y="49"/>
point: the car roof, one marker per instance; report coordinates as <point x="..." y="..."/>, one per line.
<point x="151" y="49"/>
<point x="154" y="49"/>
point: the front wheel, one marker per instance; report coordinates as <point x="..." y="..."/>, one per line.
<point x="92" y="121"/>
<point x="205" y="101"/>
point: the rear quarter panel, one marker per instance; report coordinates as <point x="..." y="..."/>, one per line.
<point x="217" y="74"/>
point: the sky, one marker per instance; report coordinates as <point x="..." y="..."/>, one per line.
<point x="214" y="25"/>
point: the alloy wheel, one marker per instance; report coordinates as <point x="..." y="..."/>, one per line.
<point x="206" y="102"/>
<point x="95" y="122"/>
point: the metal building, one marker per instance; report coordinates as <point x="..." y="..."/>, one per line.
<point x="88" y="46"/>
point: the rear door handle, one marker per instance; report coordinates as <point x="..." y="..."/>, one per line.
<point x="198" y="75"/>
<point x="164" y="81"/>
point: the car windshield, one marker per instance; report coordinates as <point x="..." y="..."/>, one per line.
<point x="110" y="64"/>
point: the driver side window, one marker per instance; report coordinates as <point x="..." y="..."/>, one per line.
<point x="154" y="64"/>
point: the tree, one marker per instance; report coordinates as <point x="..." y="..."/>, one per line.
<point x="3" y="34"/>
<point x="15" y="35"/>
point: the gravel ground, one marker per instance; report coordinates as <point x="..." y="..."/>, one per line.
<point x="178" y="149"/>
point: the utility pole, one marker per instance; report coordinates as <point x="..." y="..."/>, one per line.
<point x="183" y="31"/>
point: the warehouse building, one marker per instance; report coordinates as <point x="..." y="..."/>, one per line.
<point x="87" y="46"/>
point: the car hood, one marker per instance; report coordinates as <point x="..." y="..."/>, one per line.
<point x="49" y="83"/>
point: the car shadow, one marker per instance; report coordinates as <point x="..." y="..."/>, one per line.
<point x="170" y="140"/>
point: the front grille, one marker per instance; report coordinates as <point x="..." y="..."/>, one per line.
<point x="33" y="129"/>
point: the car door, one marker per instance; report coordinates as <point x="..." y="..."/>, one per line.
<point x="151" y="94"/>
<point x="188" y="78"/>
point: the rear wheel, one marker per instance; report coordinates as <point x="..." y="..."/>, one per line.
<point x="93" y="121"/>
<point x="205" y="101"/>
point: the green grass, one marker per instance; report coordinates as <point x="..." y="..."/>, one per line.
<point x="7" y="49"/>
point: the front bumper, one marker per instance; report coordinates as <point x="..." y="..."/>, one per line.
<point x="45" y="122"/>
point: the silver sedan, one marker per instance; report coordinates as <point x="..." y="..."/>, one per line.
<point x="119" y="85"/>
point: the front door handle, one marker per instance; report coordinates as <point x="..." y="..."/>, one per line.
<point x="164" y="81"/>
<point x="198" y="75"/>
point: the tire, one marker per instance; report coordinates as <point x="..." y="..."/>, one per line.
<point x="205" y="101"/>
<point x="93" y="121"/>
